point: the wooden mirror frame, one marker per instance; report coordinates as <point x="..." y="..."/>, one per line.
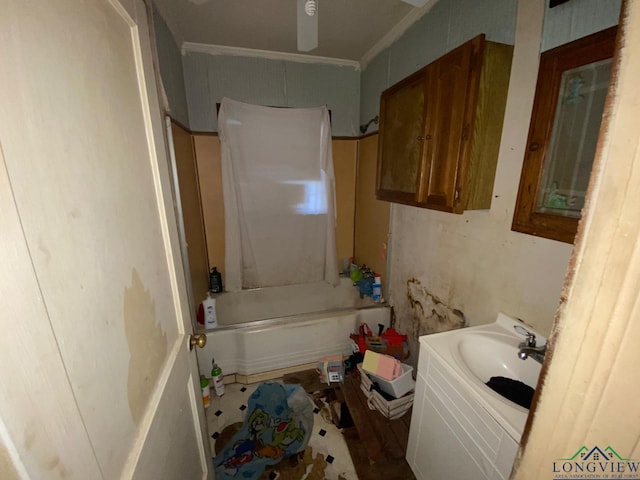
<point x="592" y="48"/>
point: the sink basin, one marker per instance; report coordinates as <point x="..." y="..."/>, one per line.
<point x="473" y="355"/>
<point x="488" y="354"/>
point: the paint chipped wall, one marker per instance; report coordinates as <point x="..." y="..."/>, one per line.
<point x="427" y="314"/>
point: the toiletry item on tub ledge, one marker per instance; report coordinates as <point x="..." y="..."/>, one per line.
<point x="377" y="289"/>
<point x="215" y="281"/>
<point x="209" y="306"/>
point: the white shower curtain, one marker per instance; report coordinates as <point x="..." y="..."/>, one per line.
<point x="279" y="195"/>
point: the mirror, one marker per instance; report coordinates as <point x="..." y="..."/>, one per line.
<point x="571" y="92"/>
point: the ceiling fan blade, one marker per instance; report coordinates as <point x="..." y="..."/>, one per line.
<point x="417" y="3"/>
<point x="307" y="29"/>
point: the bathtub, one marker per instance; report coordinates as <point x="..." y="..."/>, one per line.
<point x="266" y="332"/>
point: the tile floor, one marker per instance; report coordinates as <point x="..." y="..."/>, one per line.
<point x="326" y="438"/>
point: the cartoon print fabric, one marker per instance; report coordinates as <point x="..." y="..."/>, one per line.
<point x="278" y="424"/>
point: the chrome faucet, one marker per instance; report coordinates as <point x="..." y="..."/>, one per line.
<point x="528" y="348"/>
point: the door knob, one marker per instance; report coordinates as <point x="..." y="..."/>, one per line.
<point x="199" y="340"/>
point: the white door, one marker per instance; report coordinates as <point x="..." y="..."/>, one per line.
<point x="96" y="377"/>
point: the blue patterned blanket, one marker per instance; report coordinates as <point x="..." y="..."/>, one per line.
<point x="278" y="424"/>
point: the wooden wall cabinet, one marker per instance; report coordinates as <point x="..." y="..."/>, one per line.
<point x="440" y="130"/>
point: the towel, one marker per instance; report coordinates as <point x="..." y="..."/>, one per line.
<point x="381" y="365"/>
<point x="513" y="390"/>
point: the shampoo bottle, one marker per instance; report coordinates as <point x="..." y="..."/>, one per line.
<point x="215" y="281"/>
<point x="209" y="306"/>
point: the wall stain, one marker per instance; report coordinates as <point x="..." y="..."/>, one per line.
<point x="42" y="246"/>
<point x="430" y="314"/>
<point x="56" y="464"/>
<point x="29" y="437"/>
<point x="147" y="344"/>
<point x="7" y="467"/>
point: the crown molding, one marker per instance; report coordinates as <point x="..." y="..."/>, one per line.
<point x="396" y="32"/>
<point x="385" y="42"/>
<point x="189" y="47"/>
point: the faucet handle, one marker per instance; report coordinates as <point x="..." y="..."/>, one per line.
<point x="530" y="339"/>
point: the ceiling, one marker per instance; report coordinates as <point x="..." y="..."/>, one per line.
<point x="347" y="29"/>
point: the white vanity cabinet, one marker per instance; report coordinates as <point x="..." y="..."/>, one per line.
<point x="452" y="436"/>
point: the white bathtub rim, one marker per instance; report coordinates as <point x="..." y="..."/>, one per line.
<point x="252" y="348"/>
<point x="289" y="319"/>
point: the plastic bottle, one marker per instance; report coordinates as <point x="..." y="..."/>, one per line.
<point x="377" y="289"/>
<point x="206" y="391"/>
<point x="209" y="306"/>
<point x="215" y="280"/>
<point x="355" y="273"/>
<point x="216" y="375"/>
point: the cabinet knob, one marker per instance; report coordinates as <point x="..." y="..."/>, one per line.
<point x="534" y="146"/>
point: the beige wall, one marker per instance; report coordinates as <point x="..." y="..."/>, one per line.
<point x="207" y="148"/>
<point x="191" y="211"/>
<point x="372" y="216"/>
<point x="345" y="153"/>
<point x="474" y="262"/>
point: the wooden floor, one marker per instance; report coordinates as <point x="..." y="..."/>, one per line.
<point x="377" y="445"/>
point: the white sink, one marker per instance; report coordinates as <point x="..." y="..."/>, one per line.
<point x="473" y="355"/>
<point x="490" y="354"/>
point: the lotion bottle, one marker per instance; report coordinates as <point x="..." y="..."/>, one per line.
<point x="209" y="306"/>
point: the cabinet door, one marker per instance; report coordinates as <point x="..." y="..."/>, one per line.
<point x="438" y="446"/>
<point x="448" y="126"/>
<point x="401" y="140"/>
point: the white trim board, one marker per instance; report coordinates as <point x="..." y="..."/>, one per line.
<point x="250" y="52"/>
